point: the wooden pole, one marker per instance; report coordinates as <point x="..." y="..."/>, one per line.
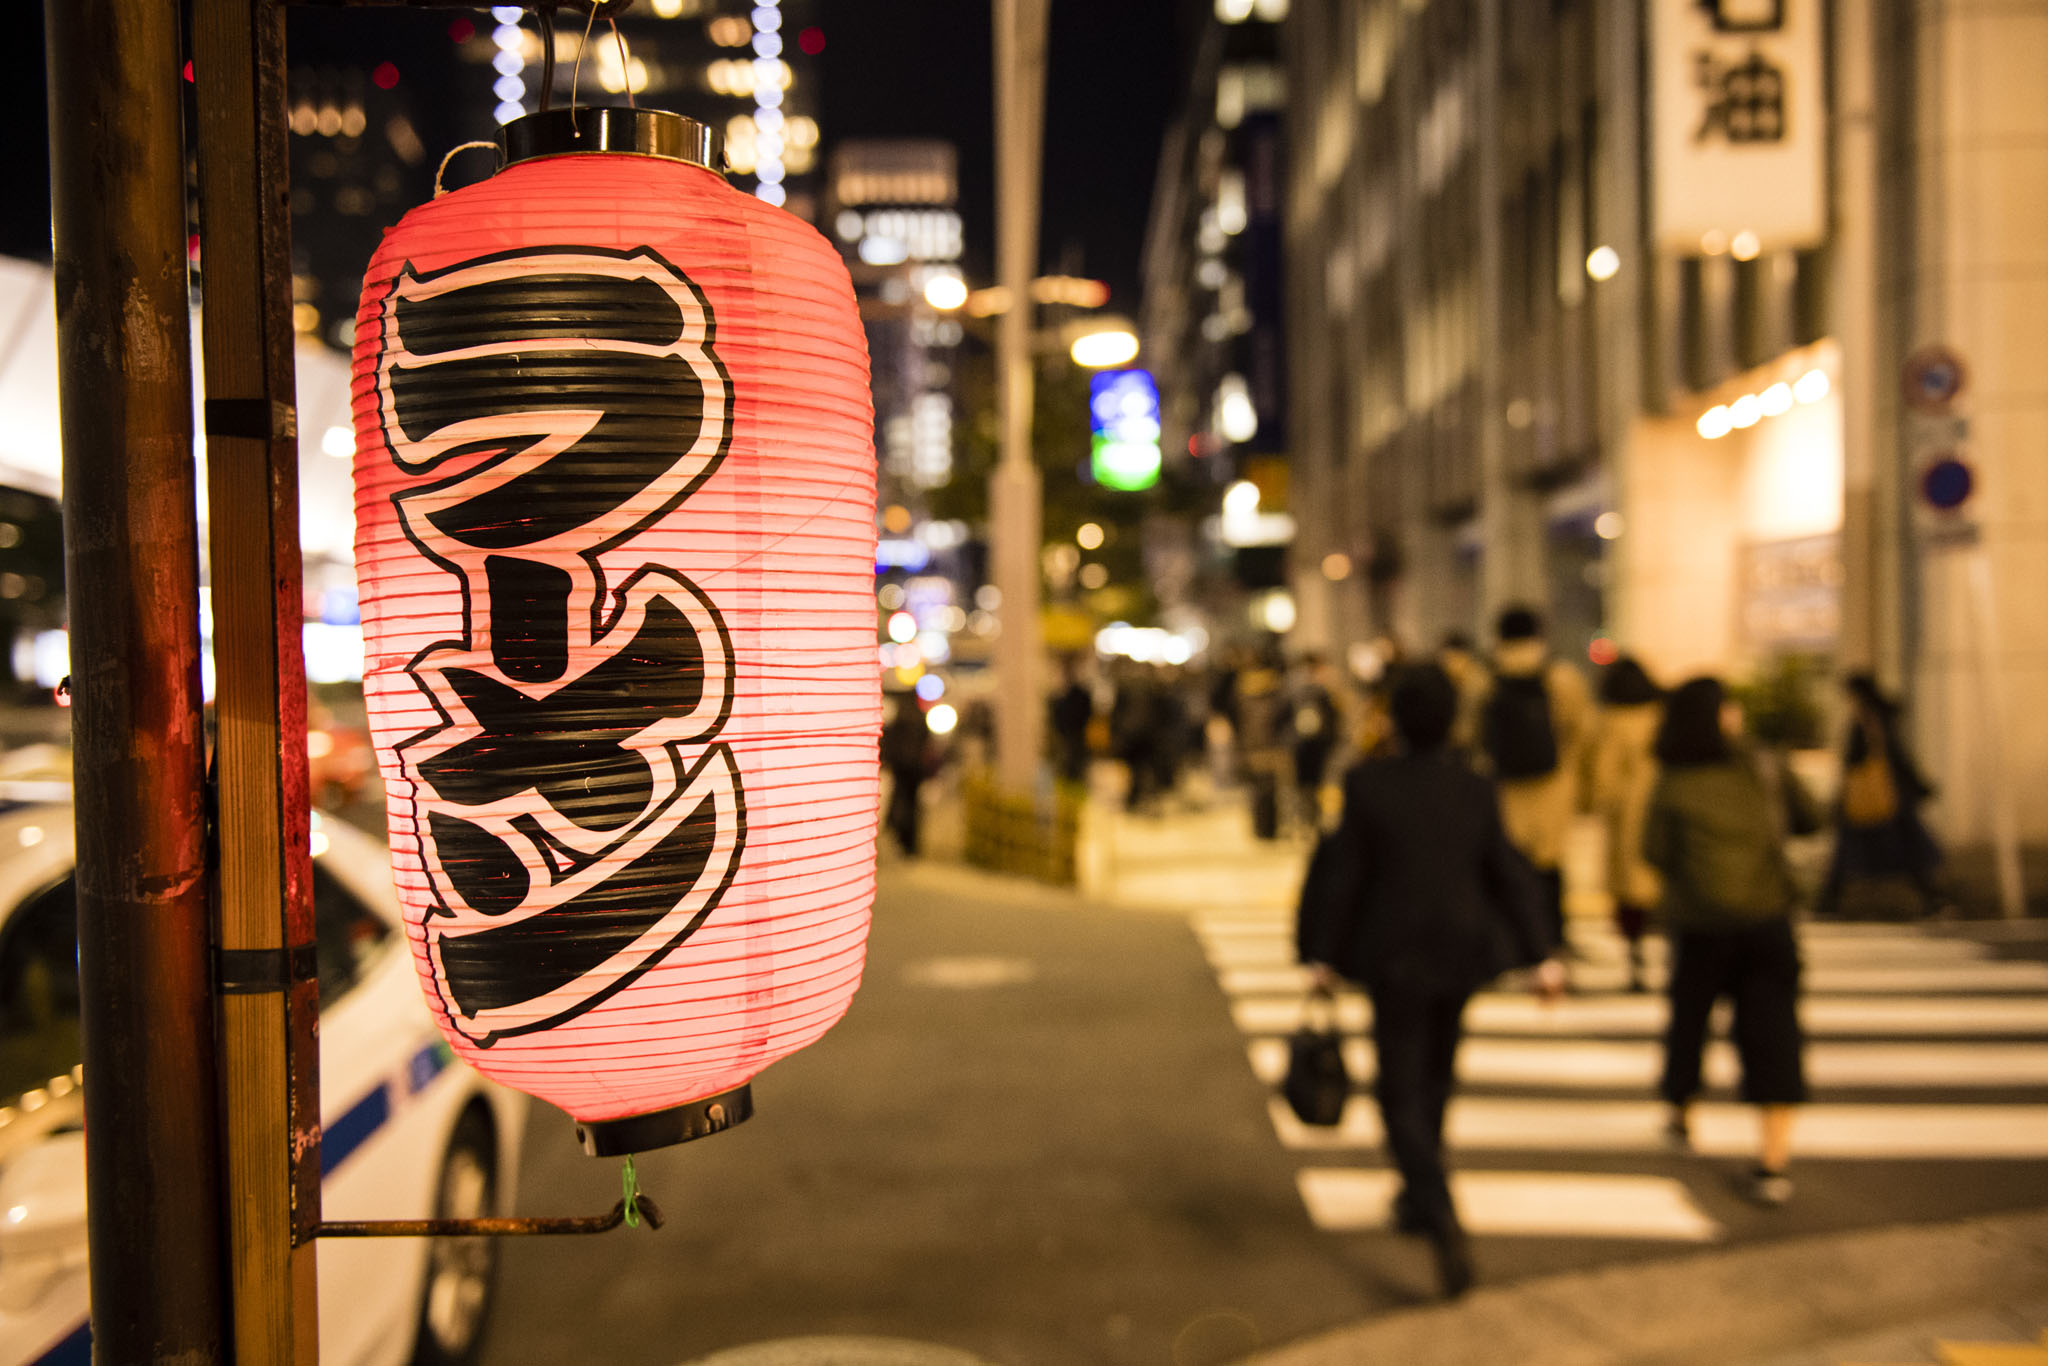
<point x="270" y="1092"/>
<point x="132" y="563"/>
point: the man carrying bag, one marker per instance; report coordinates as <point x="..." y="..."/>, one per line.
<point x="1317" y="1082"/>
<point x="1419" y="898"/>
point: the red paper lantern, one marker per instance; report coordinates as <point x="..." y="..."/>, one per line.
<point x="615" y="543"/>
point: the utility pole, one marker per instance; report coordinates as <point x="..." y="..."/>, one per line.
<point x="153" y="1176"/>
<point x="1015" y="492"/>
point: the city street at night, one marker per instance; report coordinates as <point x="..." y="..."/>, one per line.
<point x="1024" y="683"/>
<point x="1046" y="1133"/>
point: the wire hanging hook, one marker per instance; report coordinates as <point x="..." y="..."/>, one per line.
<point x="546" y="14"/>
<point x="625" y="62"/>
<point x="576" y="72"/>
<point x="442" y="169"/>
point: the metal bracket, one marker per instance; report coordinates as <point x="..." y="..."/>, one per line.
<point x="494" y="1228"/>
<point x="257" y="972"/>
<point x="259" y="419"/>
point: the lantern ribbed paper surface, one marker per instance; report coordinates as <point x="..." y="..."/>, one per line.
<point x="615" y="511"/>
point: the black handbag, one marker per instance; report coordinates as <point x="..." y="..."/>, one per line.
<point x="1317" y="1083"/>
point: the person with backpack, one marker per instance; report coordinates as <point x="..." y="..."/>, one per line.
<point x="1714" y="832"/>
<point x="1418" y="897"/>
<point x="1532" y="733"/>
<point x="1878" y="831"/>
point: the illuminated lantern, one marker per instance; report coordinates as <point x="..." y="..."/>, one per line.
<point x="615" y="541"/>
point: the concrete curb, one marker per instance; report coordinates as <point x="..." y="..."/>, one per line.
<point x="1714" y="1308"/>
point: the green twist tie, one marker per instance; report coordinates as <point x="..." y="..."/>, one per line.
<point x="632" y="1181"/>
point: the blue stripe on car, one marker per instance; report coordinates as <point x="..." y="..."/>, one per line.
<point x="427" y="1064"/>
<point x="353" y="1128"/>
<point x="338" y="1142"/>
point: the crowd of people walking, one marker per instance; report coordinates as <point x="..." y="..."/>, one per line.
<point x="1445" y="869"/>
<point x="1442" y="794"/>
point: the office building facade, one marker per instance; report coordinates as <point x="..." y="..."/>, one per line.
<point x="1682" y="322"/>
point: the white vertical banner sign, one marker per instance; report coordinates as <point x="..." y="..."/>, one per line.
<point x="1739" y="136"/>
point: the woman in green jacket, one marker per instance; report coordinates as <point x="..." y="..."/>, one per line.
<point x="1713" y="832"/>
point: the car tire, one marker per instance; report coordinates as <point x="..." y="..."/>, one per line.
<point x="455" y="1302"/>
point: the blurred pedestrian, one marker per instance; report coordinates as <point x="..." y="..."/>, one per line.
<point x="1172" y="730"/>
<point x="1714" y="832"/>
<point x="1133" y="733"/>
<point x="907" y="754"/>
<point x="1312" y="732"/>
<point x="1532" y="731"/>
<point x="1219" y="728"/>
<point x="1623" y="774"/>
<point x="1071" y="710"/>
<point x="1262" y="735"/>
<point x="1467" y="672"/>
<point x="1878" y="831"/>
<point x="1422" y="901"/>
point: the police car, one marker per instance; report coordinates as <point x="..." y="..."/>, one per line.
<point x="410" y="1132"/>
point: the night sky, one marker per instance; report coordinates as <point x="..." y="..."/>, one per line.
<point x="892" y="68"/>
<point x="923" y="68"/>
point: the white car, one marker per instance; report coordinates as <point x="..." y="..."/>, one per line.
<point x="410" y="1131"/>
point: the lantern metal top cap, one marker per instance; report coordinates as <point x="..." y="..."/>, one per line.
<point x="590" y="129"/>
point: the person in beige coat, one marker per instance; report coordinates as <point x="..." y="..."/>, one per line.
<point x="1533" y="732"/>
<point x="1460" y="661"/>
<point x="1622" y="774"/>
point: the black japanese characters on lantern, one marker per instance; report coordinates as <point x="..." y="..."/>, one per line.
<point x="541" y="408"/>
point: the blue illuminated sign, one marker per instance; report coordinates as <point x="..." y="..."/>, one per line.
<point x="1123" y="417"/>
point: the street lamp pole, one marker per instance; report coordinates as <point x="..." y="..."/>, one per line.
<point x="1015" y="494"/>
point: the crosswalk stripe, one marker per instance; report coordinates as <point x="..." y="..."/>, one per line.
<point x="1719" y="1129"/>
<point x="1259" y="954"/>
<point x="1609" y="947"/>
<point x="1603" y="940"/>
<point x="1540" y="1204"/>
<point x="1993" y="1353"/>
<point x="1824" y="978"/>
<point x="1888" y="1010"/>
<point x="1595" y="1063"/>
<point x="1644" y="1015"/>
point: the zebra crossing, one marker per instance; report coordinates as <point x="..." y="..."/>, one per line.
<point x="1920" y="1048"/>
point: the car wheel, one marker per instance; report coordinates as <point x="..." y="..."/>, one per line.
<point x="460" y="1271"/>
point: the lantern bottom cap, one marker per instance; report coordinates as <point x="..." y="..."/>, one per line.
<point x="664" y="1128"/>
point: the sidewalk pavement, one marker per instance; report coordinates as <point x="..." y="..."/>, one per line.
<point x="1201" y="854"/>
<point x="1885" y="1295"/>
<point x="1200" y="851"/>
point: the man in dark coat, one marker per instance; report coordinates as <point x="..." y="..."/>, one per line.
<point x="1071" y="711"/>
<point x="907" y="754"/>
<point x="1419" y="898"/>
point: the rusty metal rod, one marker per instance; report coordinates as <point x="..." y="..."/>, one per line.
<point x="496" y="1228"/>
<point x="124" y="370"/>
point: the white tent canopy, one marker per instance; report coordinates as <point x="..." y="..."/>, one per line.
<point x="31" y="447"/>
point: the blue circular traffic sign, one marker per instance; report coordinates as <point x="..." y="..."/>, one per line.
<point x="1933" y="376"/>
<point x="1946" y="484"/>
